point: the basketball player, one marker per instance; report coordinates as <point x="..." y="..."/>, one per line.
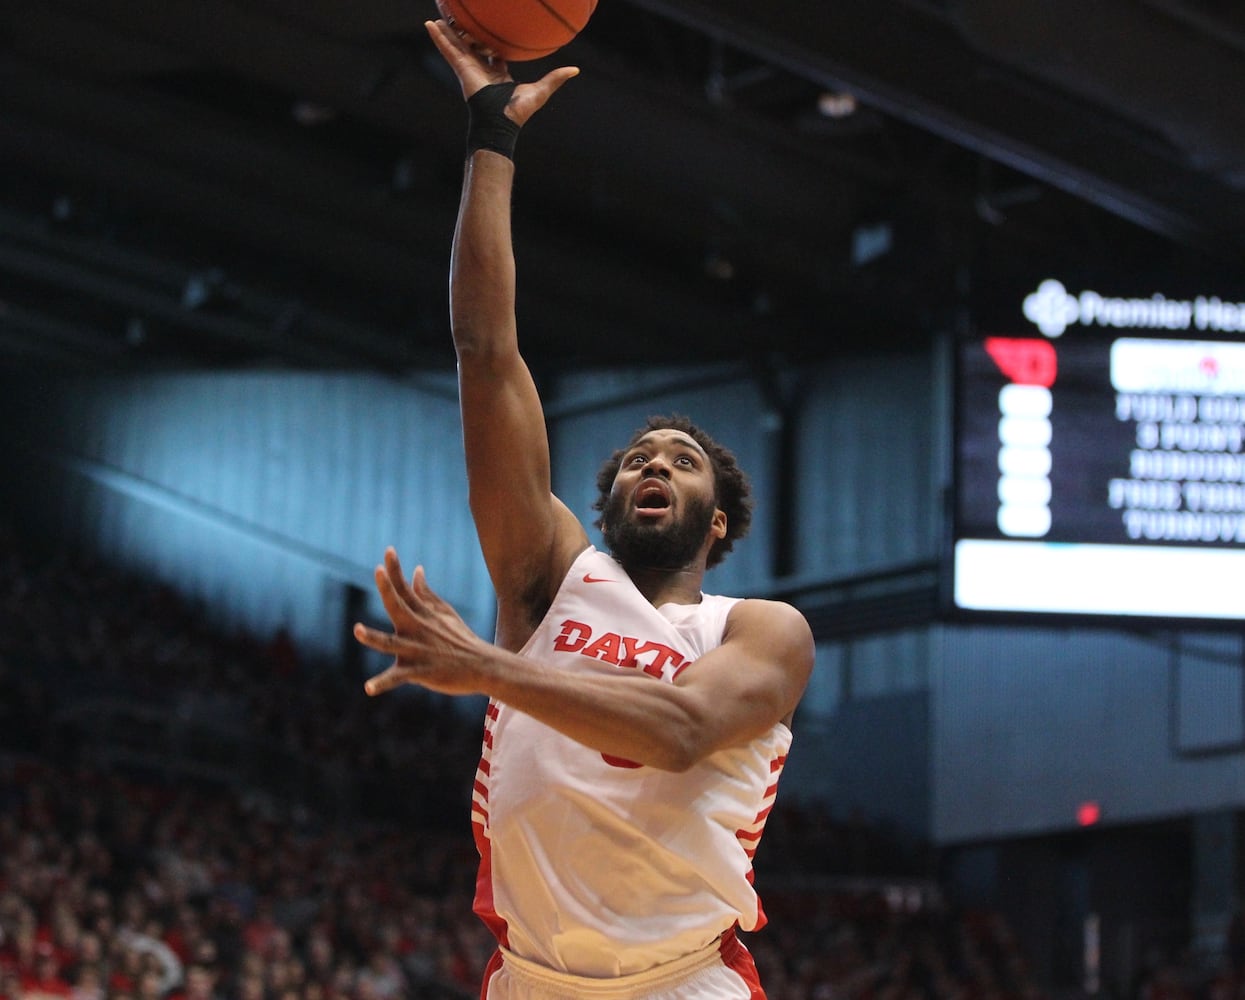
<point x="636" y="727"/>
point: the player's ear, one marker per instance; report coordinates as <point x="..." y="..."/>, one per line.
<point x="717" y="527"/>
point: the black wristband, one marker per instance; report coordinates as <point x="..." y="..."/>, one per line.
<point x="488" y="127"/>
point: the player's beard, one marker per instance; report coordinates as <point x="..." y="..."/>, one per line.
<point x="641" y="544"/>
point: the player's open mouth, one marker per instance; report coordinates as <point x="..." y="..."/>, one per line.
<point x="652" y="498"/>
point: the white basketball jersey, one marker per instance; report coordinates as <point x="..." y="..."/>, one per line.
<point x="597" y="866"/>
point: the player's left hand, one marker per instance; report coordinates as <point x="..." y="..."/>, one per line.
<point x="430" y="643"/>
<point x="475" y="71"/>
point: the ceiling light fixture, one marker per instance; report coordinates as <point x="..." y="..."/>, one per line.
<point x="837" y="104"/>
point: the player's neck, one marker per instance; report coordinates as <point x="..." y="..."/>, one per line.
<point x="668" y="586"/>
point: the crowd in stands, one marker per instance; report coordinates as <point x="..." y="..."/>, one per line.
<point x="123" y="880"/>
<point x="120" y="888"/>
<point x="117" y="888"/>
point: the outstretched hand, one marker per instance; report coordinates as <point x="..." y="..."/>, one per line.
<point x="430" y="643"/>
<point x="476" y="71"/>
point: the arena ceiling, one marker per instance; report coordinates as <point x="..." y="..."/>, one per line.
<point x="225" y="183"/>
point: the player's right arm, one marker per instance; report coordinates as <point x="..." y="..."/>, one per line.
<point x="527" y="536"/>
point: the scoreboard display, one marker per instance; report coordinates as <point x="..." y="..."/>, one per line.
<point x="1100" y="462"/>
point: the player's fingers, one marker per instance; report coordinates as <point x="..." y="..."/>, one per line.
<point x="393" y="568"/>
<point x="531" y="97"/>
<point x="462" y="51"/>
<point x="384" y="587"/>
<point x="397" y="605"/>
<point x="382" y="642"/>
<point x="554" y="79"/>
<point x="420" y="587"/>
<point x="444" y="37"/>
<point x="454" y="48"/>
<point x="544" y="88"/>
<point x="386" y="680"/>
<point x="429" y="600"/>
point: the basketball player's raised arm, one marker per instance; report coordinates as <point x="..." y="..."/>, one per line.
<point x="524" y="531"/>
<point x="507" y="450"/>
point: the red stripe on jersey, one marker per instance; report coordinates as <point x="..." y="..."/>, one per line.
<point x="483" y="905"/>
<point x="736" y="958"/>
<point x="490" y="970"/>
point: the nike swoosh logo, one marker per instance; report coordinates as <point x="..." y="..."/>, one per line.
<point x="589" y="578"/>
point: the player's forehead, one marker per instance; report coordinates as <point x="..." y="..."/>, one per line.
<point x="666" y="437"/>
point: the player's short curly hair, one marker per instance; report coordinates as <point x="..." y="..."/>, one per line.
<point x="731" y="487"/>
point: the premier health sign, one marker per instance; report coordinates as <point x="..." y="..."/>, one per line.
<point x="1052" y="309"/>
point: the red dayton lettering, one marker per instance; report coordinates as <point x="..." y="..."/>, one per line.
<point x="621" y="650"/>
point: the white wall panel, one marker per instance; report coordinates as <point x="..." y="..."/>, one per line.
<point x="1028" y="724"/>
<point x="870" y="470"/>
<point x="259" y="493"/>
<point x="889" y="663"/>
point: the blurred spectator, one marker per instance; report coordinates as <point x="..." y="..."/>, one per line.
<point x="44" y="981"/>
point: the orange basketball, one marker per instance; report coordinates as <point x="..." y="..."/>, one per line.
<point x="517" y="30"/>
